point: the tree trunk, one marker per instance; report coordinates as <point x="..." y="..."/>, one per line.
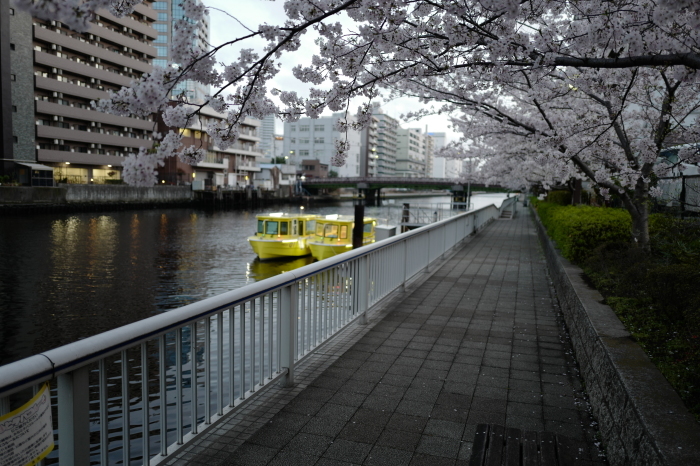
<point x="637" y="204"/>
<point x="576" y="194"/>
<point x="640" y="226"/>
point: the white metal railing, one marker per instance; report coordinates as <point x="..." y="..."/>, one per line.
<point x="138" y="393"/>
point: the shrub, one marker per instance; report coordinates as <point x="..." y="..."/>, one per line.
<point x="578" y="230"/>
<point x="653" y="293"/>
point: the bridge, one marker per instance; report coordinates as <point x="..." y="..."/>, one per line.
<point x="369" y="187"/>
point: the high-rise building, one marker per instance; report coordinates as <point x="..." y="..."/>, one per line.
<point x="55" y="73"/>
<point x="314" y="139"/>
<point x="267" y="136"/>
<point x="386" y="144"/>
<point x="414" y="153"/>
<point x="443" y="167"/>
<point x="368" y="150"/>
<point x="168" y="12"/>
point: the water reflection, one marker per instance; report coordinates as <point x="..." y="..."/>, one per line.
<point x="64" y="277"/>
<point x="260" y="270"/>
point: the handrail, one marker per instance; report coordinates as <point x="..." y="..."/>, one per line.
<point x="223" y="348"/>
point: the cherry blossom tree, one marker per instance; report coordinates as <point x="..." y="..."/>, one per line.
<point x="589" y="88"/>
<point x="609" y="127"/>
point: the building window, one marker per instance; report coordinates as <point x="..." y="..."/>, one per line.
<point x="12" y="11"/>
<point x="303" y="127"/>
<point x="318" y="140"/>
<point x="293" y="140"/>
<point x="303" y="153"/>
<point x="161" y="40"/>
<point x="162" y="16"/>
<point x="160" y="5"/>
<point x="12" y="46"/>
<point x="160" y="62"/>
<point x="319" y="127"/>
<point x="162" y="51"/>
<point x="303" y="140"/>
<point x="161" y="27"/>
<point x="294" y="127"/>
<point x="14" y="139"/>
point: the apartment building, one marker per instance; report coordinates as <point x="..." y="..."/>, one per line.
<point x="368" y="151"/>
<point x="414" y="153"/>
<point x="310" y="138"/>
<point x="267" y="136"/>
<point x="234" y="167"/>
<point x="56" y="73"/>
<point x="386" y="145"/>
<point x="169" y="12"/>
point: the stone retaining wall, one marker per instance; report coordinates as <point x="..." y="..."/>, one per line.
<point x="94" y="194"/>
<point x="642" y="419"/>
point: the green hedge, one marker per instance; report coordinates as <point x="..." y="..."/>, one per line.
<point x="578" y="230"/>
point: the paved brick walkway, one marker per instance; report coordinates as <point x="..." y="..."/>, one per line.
<point x="478" y="341"/>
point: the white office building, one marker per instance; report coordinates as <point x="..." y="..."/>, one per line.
<point x="443" y="167"/>
<point x="314" y="139"/>
<point x="267" y="136"/>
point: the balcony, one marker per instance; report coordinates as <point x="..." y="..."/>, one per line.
<point x="248" y="168"/>
<point x="51" y="132"/>
<point x="213" y="160"/>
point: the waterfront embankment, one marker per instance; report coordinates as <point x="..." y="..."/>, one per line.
<point x="79" y="197"/>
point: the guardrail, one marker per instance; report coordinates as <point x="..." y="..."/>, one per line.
<point x="138" y="393"/>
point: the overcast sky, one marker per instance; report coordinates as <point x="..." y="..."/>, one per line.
<point x="251" y="13"/>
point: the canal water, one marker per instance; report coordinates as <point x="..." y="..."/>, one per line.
<point x="64" y="277"/>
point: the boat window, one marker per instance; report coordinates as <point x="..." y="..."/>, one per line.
<point x="344" y="232"/>
<point x="319" y="229"/>
<point x="261" y="226"/>
<point x="301" y="227"/>
<point x="331" y="231"/>
<point x="284" y="228"/>
<point x="271" y="227"/>
<point x="368" y="228"/>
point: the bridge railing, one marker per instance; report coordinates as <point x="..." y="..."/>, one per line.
<point x="138" y="393"/>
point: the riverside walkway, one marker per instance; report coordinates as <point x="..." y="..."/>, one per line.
<point x="477" y="340"/>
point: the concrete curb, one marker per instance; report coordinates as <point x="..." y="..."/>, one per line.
<point x="642" y="419"/>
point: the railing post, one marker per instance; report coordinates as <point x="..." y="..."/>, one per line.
<point x="427" y="252"/>
<point x="289" y="307"/>
<point x="405" y="264"/>
<point x="74" y="417"/>
<point x="363" y="298"/>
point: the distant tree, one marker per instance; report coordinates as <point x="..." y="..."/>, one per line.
<point x="332" y="174"/>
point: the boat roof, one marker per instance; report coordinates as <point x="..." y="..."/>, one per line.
<point x="285" y="215"/>
<point x="341" y="219"/>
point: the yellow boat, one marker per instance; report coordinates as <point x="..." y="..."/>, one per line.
<point x="334" y="235"/>
<point x="282" y="235"/>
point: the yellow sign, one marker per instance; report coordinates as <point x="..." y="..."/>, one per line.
<point x="26" y="434"/>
